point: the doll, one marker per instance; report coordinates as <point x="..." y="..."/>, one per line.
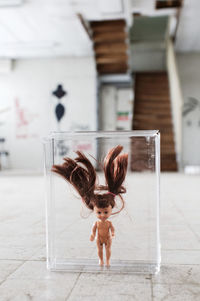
<point x="81" y="174"/>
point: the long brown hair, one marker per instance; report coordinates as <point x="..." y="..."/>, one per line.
<point x="81" y="174"/>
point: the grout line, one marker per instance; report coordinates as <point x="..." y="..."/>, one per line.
<point x="73" y="287"/>
<point x="152" y="296"/>
<point x="12" y="272"/>
<point x="186" y="221"/>
<point x="175" y="284"/>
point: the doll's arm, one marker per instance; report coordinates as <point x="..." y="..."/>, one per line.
<point x="112" y="230"/>
<point x="93" y="234"/>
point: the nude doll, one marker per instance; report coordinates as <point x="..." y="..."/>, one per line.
<point x="105" y="233"/>
<point x="101" y="199"/>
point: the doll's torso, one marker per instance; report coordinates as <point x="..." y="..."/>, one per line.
<point x="103" y="231"/>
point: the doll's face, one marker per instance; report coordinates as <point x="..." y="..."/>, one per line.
<point x="103" y="213"/>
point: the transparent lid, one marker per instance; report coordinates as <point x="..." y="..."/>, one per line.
<point x="99" y="134"/>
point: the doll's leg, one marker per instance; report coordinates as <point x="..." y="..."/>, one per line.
<point x="108" y="251"/>
<point x="100" y="252"/>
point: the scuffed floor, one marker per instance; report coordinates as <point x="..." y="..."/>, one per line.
<point x="23" y="274"/>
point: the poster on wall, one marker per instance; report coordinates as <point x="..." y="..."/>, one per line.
<point x="26" y="121"/>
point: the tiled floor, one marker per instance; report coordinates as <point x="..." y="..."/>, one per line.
<point x="23" y="274"/>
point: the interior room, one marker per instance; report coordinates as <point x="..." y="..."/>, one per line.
<point x="86" y="76"/>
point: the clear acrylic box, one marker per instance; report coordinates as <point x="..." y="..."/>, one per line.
<point x="136" y="246"/>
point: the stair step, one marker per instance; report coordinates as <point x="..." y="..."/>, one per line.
<point x="154" y="108"/>
<point x="107" y="23"/>
<point x="143" y="89"/>
<point x="150" y="75"/>
<point x="152" y="124"/>
<point x="110" y="37"/>
<point x="169" y="167"/>
<point x="154" y="116"/>
<point x="162" y="89"/>
<point x="112" y="68"/>
<point x="151" y="111"/>
<point x="112" y="60"/>
<point x="115" y="48"/>
<point x="156" y="97"/>
<point x="150" y="101"/>
<point x="153" y="80"/>
<point x="160" y="4"/>
<point x="143" y="152"/>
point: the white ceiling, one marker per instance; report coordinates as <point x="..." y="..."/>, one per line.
<point x="41" y="28"/>
<point x="49" y="28"/>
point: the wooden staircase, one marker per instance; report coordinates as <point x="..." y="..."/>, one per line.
<point x="160" y="4"/>
<point x="152" y="111"/>
<point x="110" y="47"/>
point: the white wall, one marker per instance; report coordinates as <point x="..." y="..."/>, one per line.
<point x="189" y="72"/>
<point x="176" y="99"/>
<point x="31" y="83"/>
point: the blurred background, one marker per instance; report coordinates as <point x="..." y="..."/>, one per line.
<point x="99" y="65"/>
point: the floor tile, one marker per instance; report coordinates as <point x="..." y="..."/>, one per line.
<point x="111" y="287"/>
<point x="37" y="270"/>
<point x="7" y="267"/>
<point x="37" y="290"/>
<point x="178" y="274"/>
<point x="180" y="256"/>
<point x="164" y="292"/>
<point x="178" y="237"/>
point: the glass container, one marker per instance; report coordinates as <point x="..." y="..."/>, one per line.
<point x="136" y="246"/>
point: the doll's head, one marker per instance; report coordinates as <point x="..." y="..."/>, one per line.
<point x="81" y="174"/>
<point x="103" y="213"/>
